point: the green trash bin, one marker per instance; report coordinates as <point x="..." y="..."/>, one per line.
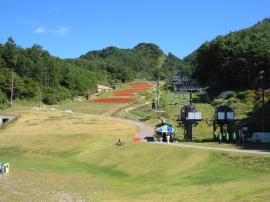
<point x="224" y="136"/>
<point x="227" y="137"/>
<point x="237" y="136"/>
<point x="234" y="136"/>
<point x="214" y="136"/>
<point x="220" y="137"/>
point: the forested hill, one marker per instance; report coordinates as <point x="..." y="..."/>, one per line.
<point x="233" y="61"/>
<point x="42" y="77"/>
<point x="145" y="60"/>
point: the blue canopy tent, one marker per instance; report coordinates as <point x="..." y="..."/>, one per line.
<point x="165" y="129"/>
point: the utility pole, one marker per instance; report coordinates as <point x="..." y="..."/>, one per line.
<point x="190" y="98"/>
<point x="47" y="79"/>
<point x="11" y="88"/>
<point x="157" y="96"/>
<point x="261" y="77"/>
<point x="12" y="84"/>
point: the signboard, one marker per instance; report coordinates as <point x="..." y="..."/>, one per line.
<point x="245" y="128"/>
<point x="221" y="116"/>
<point x="194" y="116"/>
<point x="230" y="115"/>
<point x="191" y="116"/>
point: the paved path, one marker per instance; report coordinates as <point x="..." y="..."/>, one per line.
<point x="146" y="131"/>
<point x="246" y="151"/>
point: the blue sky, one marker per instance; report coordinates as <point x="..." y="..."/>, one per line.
<point x="69" y="28"/>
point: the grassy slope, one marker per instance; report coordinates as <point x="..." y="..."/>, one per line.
<point x="171" y="104"/>
<point x="47" y="142"/>
<point x="60" y="156"/>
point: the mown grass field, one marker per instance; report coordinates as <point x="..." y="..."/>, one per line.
<point x="57" y="156"/>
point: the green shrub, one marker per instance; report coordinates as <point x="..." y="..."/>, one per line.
<point x="232" y="100"/>
<point x="29" y="89"/>
<point x="62" y="93"/>
<point x="49" y="99"/>
<point x="217" y="102"/>
<point x="231" y="95"/>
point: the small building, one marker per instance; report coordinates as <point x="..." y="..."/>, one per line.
<point x="261" y="137"/>
<point x="102" y="88"/>
<point x="181" y="75"/>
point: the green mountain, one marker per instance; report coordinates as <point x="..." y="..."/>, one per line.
<point x="233" y="61"/>
<point x="37" y="75"/>
<point x="145" y="60"/>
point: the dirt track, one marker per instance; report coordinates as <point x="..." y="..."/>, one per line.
<point x="113" y="110"/>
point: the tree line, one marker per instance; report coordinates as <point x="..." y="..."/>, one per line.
<point x="34" y="74"/>
<point x="234" y="61"/>
<point x="230" y="62"/>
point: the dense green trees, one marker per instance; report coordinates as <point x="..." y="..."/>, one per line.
<point x="143" y="61"/>
<point x="234" y="61"/>
<point x="40" y="76"/>
<point x="172" y="65"/>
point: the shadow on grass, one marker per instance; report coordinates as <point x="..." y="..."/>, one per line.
<point x="252" y="146"/>
<point x="145" y="118"/>
<point x="238" y="145"/>
<point x="255" y="118"/>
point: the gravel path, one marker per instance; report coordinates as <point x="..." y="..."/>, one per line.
<point x="144" y="129"/>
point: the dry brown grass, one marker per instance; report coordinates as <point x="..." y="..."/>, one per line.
<point x="56" y="130"/>
<point x="39" y="145"/>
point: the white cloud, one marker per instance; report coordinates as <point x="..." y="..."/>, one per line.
<point x="58" y="30"/>
<point x="40" y="30"/>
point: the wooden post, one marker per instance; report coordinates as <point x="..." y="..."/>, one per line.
<point x="157" y="96"/>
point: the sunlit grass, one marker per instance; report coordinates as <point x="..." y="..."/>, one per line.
<point x="58" y="156"/>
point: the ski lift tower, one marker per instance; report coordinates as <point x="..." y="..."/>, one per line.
<point x="224" y="118"/>
<point x="189" y="116"/>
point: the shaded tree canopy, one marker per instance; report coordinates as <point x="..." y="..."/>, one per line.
<point x="233" y="61"/>
<point x="41" y="76"/>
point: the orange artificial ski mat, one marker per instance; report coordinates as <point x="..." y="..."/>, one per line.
<point x="113" y="100"/>
<point x="134" y="88"/>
